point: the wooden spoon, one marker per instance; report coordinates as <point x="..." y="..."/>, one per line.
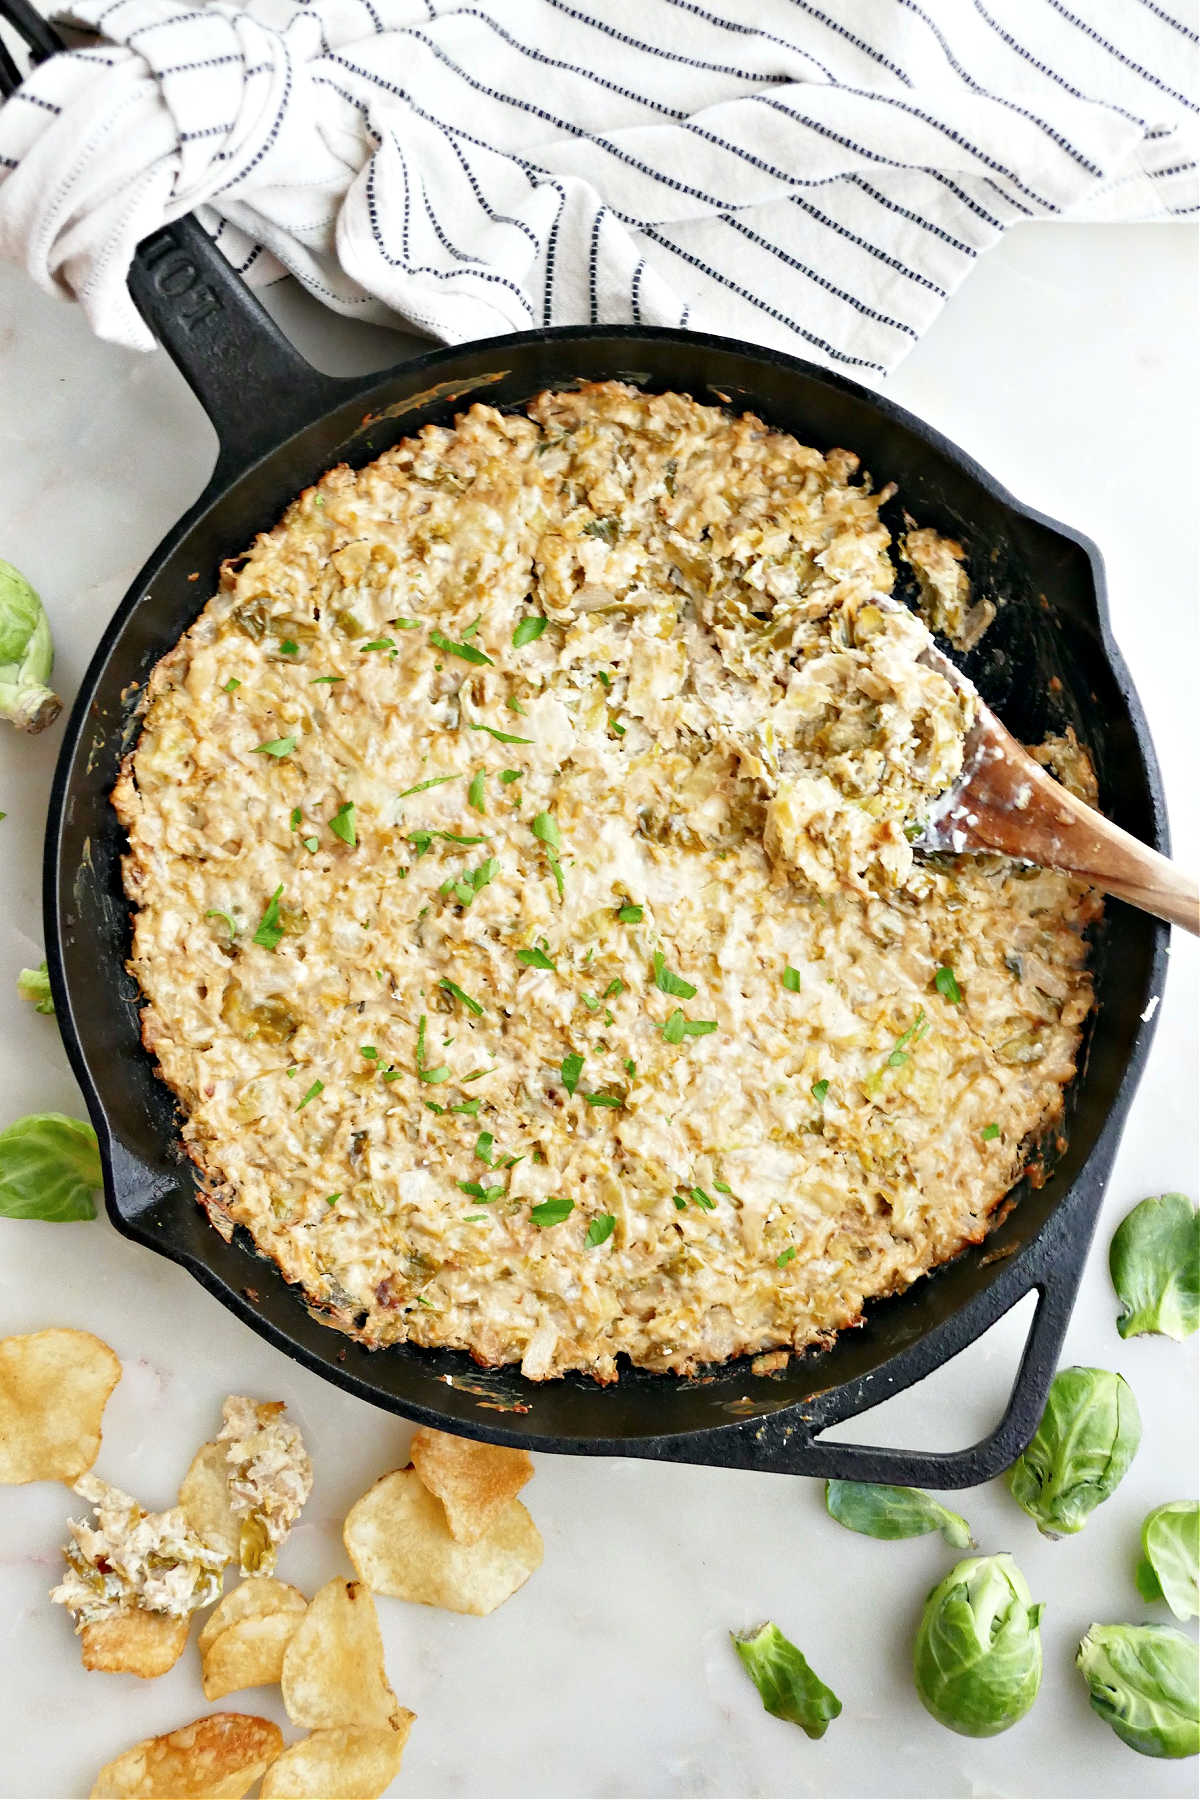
<point x="1005" y="801"/>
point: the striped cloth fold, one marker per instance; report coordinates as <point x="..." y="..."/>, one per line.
<point x="816" y="177"/>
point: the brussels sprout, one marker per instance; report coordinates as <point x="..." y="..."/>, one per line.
<point x="1087" y="1438"/>
<point x="1170" y="1565"/>
<point x="1145" y="1682"/>
<point x="49" y="1168"/>
<point x="34" y="985"/>
<point x="26" y="655"/>
<point x="788" y="1687"/>
<point x="894" y="1512"/>
<point x="977" y="1660"/>
<point x="1154" y="1261"/>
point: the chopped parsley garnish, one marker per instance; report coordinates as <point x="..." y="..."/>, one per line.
<point x="600" y="1230"/>
<point x="422" y="1301"/>
<point x="452" y="987"/>
<point x="615" y="986"/>
<point x="215" y="913"/>
<point x="296" y="817"/>
<point x="703" y="1200"/>
<point x="680" y="1203"/>
<point x="473" y="627"/>
<point x="946" y="983"/>
<point x="528" y="629"/>
<point x="605" y="1099"/>
<point x="679" y="1026"/>
<point x="615" y="726"/>
<point x="229" y="686"/>
<point x="475" y="793"/>
<point x="432" y="1076"/>
<point x="475" y="1075"/>
<point x="378" y="644"/>
<point x="289" y="647"/>
<point x="332" y="1199"/>
<point x="434" y="781"/>
<point x="470" y="1107"/>
<point x="669" y="983"/>
<point x="535" y="959"/>
<point x="369" y="1051"/>
<point x="514" y="705"/>
<point x="508" y="776"/>
<point x="270" y="930"/>
<point x="785" y="1257"/>
<point x="572" y="1069"/>
<point x="545" y="828"/>
<point x="791" y="979"/>
<point x="311" y="844"/>
<point x="407" y="624"/>
<point x="990" y="1132"/>
<point x="914" y="1034"/>
<point x="475" y="1219"/>
<point x="325" y="680"/>
<point x="486" y="1194"/>
<point x="552" y="1211"/>
<point x="819" y="1090"/>
<point x="484" y="1145"/>
<point x="630" y="914"/>
<point x="422" y="838"/>
<point x="465" y="887"/>
<point x="604" y="678"/>
<point x="608" y="530"/>
<point x="318" y="1087"/>
<point x="276" y="747"/>
<point x="501" y="737"/>
<point x="722" y="1187"/>
<point x="342" y="823"/>
<point x="591" y="1002"/>
<point x="630" y="1068"/>
<point x="468" y="652"/>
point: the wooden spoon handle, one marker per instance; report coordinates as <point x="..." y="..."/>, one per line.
<point x="1011" y="804"/>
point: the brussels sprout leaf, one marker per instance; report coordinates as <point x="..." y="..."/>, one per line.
<point x="788" y="1687"/>
<point x="1170" y="1565"/>
<point x="34" y="985"/>
<point x="894" y="1512"/>
<point x="1087" y="1438"/>
<point x="1144" y="1681"/>
<point x="49" y="1169"/>
<point x="1155" y="1266"/>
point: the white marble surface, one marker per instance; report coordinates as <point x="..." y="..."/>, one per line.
<point x="1068" y="366"/>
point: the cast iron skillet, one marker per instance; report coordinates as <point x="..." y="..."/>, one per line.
<point x="1048" y="661"/>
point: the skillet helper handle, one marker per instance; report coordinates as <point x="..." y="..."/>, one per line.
<point x="255" y="387"/>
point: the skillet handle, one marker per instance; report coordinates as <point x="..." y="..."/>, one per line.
<point x="255" y="387"/>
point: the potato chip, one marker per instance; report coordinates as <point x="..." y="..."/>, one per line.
<point x="54" y="1386"/>
<point x="218" y="1758"/>
<point x="248" y="1654"/>
<point x="250" y="1599"/>
<point x="350" y="1762"/>
<point x="400" y="1544"/>
<point x="134" y="1642"/>
<point x="204" y="1497"/>
<point x="474" y="1482"/>
<point x="333" y="1671"/>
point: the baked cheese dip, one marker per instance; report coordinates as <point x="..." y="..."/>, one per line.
<point x="527" y="913"/>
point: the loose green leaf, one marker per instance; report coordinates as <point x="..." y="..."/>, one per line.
<point x="34" y="985"/>
<point x="630" y="914"/>
<point x="270" y="930"/>
<point x="475" y="793"/>
<point x="49" y="1169"/>
<point x="318" y="1087"/>
<point x="452" y="987"/>
<point x="600" y="1230"/>
<point x="819" y="1090"/>
<point x="668" y="983"/>
<point x="572" y="1068"/>
<point x="791" y="979"/>
<point x="1170" y="1565"/>
<point x="977" y="1660"/>
<point x="1144" y="1681"/>
<point x="552" y="1211"/>
<point x="276" y="747"/>
<point x="1155" y="1266"/>
<point x="342" y="823"/>
<point x="787" y="1686"/>
<point x="26" y="655"/>
<point x="501" y="737"/>
<point x="528" y="629"/>
<point x="1087" y="1438"/>
<point x="468" y="652"/>
<point x="535" y="959"/>
<point x="877" y="1511"/>
<point x="946" y="983"/>
<point x="434" y="781"/>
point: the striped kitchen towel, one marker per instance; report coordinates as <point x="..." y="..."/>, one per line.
<point x="814" y="176"/>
